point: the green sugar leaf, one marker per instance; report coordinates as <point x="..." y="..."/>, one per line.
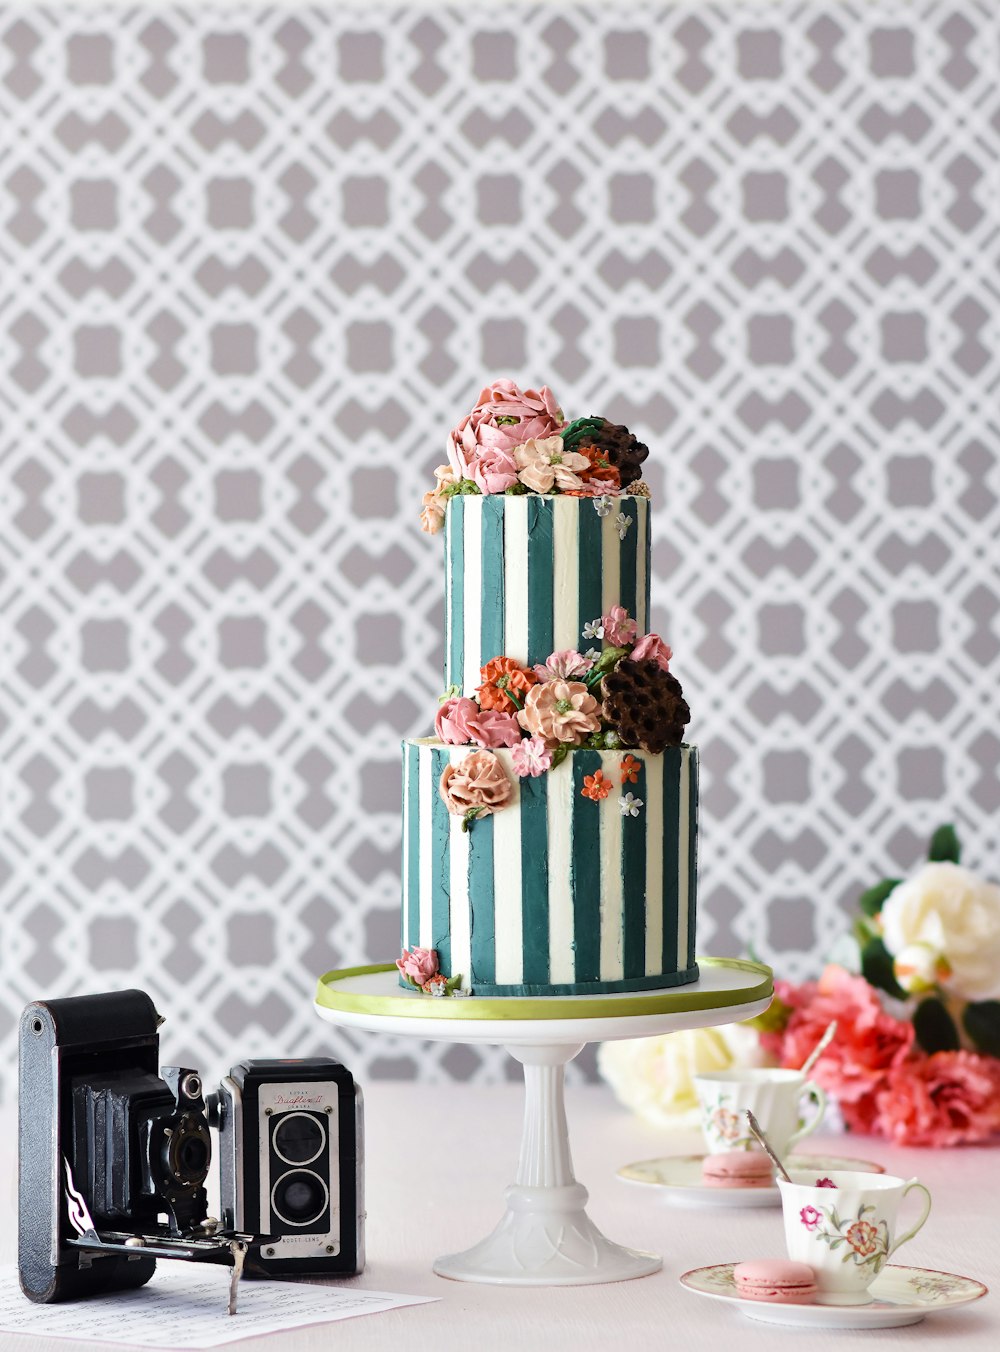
<point x="944" y="848"/>
<point x="934" y="1027"/>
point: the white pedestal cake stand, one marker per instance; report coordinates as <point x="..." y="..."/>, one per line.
<point x="545" y="1237"/>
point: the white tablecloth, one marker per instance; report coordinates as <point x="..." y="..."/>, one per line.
<point x="438" y="1159"/>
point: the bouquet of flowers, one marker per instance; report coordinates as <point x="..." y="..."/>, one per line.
<point x="917" y="1052"/>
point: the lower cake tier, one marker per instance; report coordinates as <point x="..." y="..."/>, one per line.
<point x="556" y="892"/>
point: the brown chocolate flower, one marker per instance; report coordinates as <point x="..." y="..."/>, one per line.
<point x="645" y="705"/>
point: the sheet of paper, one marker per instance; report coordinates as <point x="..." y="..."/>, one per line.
<point x="185" y="1306"/>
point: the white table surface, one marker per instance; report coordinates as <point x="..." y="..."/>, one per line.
<point x="438" y="1159"/>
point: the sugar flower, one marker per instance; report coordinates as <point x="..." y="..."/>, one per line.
<point x="618" y="628"/>
<point x="434" y="502"/>
<point x="478" y="784"/>
<point x="565" y="664"/>
<point x="418" y="965"/>
<point x="461" y="721"/>
<point x="595" y="786"/>
<point x="505" y="684"/>
<point x="494" y="470"/>
<point x="630" y="768"/>
<point x="593" y="629"/>
<point x="630" y="805"/>
<point x="544" y="467"/>
<point x="622" y="523"/>
<point x="651" y="648"/>
<point x="560" y="711"/>
<point x="504" y="417"/>
<point x="531" y="757"/>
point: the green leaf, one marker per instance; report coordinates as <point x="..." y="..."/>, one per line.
<point x="609" y="658"/>
<point x="982" y="1023"/>
<point x="876" y="968"/>
<point x="944" y="846"/>
<point x="872" y="901"/>
<point x="934" y="1027"/>
<point x="559" y="755"/>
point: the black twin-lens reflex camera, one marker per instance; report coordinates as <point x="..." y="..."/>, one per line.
<point x="114" y="1153"/>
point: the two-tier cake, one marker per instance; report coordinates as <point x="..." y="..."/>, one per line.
<point x="550" y="825"/>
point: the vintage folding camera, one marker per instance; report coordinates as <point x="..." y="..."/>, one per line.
<point x="292" y="1163"/>
<point x="114" y="1153"/>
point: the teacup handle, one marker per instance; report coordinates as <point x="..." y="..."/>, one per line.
<point x="926" y="1212"/>
<point x="811" y="1088"/>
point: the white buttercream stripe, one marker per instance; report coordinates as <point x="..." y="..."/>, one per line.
<point x="472" y="604"/>
<point x="567" y="623"/>
<point x="458" y="907"/>
<point x="515" y="578"/>
<point x="559" y="791"/>
<point x="683" y="832"/>
<point x="612" y="895"/>
<point x="406" y="847"/>
<point x="508" y="929"/>
<point x="653" y="811"/>
<point x="425" y="826"/>
<point x="611" y="562"/>
<point x="449" y="528"/>
<point x="641" y="560"/>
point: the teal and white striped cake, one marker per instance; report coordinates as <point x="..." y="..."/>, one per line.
<point x="523" y="575"/>
<point x="556" y="894"/>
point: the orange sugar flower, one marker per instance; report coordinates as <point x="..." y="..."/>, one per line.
<point x="595" y="786"/>
<point x="601" y="469"/>
<point x="630" y="770"/>
<point x="500" y="675"/>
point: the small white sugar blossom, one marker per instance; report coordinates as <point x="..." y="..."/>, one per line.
<point x="602" y="506"/>
<point x="622" y="523"/>
<point x="594" y="628"/>
<point x="630" y="805"/>
<point x="593" y="654"/>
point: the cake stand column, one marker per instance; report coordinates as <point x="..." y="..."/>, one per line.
<point x="545" y="1237"/>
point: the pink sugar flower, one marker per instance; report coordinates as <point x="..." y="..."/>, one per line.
<point x="531" y="757"/>
<point x="651" y="648"/>
<point x="504" y="417"/>
<point x="619" y="627"/>
<point x="564" y="665"/>
<point x="460" y="721"/>
<point x="419" y="964"/>
<point x="494" y="470"/>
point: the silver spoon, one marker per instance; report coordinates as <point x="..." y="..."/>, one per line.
<point x="820" y="1048"/>
<point x="756" y="1132"/>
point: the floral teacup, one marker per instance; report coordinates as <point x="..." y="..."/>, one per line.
<point x="774" y="1098"/>
<point x="844" y="1226"/>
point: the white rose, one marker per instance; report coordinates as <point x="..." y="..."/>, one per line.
<point x="652" y="1075"/>
<point x="957" y="916"/>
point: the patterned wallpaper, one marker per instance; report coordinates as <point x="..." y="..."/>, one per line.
<point x="254" y="263"/>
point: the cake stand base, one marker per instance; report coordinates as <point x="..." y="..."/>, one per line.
<point x="545" y="1237"/>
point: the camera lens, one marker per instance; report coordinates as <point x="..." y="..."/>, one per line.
<point x="189" y="1150"/>
<point x="298" y="1138"/>
<point x="299" y="1197"/>
<point x="192" y="1156"/>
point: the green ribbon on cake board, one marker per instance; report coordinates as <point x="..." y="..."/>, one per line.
<point x="675" y="1000"/>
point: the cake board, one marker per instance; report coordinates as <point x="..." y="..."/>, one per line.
<point x="545" y="1237"/>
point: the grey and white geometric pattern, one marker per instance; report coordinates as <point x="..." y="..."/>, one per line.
<point x="255" y="263"/>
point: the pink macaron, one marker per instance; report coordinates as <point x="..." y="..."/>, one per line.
<point x="737" y="1169"/>
<point x="775" y="1279"/>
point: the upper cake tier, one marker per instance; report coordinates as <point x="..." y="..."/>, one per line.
<point x="524" y="575"/>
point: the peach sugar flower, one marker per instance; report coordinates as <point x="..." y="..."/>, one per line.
<point x="560" y="711"/>
<point x="478" y="783"/>
<point x="505" y="684"/>
<point x="595" y="786"/>
<point x="543" y="465"/>
<point x="434" y="502"/>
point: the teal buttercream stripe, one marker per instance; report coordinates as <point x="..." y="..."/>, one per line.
<point x="440" y="865"/>
<point x="540" y="566"/>
<point x="482" y="902"/>
<point x="535" y="878"/>
<point x="590" y="570"/>
<point x="627" y="558"/>
<point x="456" y="601"/>
<point x="412" y="844"/>
<point x="634" y="881"/>
<point x="649" y="564"/>
<point x="586" y="869"/>
<point x="671" y="772"/>
<point x="492" y="641"/>
<point x="692" y="897"/>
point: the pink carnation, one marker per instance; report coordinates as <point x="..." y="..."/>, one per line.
<point x="651" y="648"/>
<point x="869" y="1042"/>
<point x="564" y="666"/>
<point x="619" y="628"/>
<point x="460" y="721"/>
<point x="504" y="417"/>
<point x="946" y="1099"/>
<point x="419" y="964"/>
<point x="531" y="757"/>
<point x="494" y="470"/>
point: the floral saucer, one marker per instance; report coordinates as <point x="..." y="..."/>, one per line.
<point x="901" y="1295"/>
<point x="677" y="1179"/>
